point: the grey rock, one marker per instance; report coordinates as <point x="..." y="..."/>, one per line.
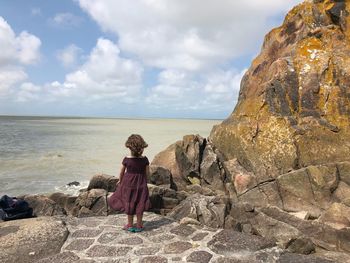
<point x="230" y="241"/>
<point x="103" y="181"/>
<point x="30" y="240"/>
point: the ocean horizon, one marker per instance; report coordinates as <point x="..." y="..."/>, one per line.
<point x="42" y="154"/>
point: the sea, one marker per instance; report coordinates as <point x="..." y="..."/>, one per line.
<point x="41" y="155"/>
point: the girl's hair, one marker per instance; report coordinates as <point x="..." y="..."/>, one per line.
<point x="136" y="144"/>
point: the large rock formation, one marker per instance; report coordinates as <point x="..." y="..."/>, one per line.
<point x="294" y="104"/>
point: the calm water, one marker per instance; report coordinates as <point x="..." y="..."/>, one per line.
<point x="41" y="155"/>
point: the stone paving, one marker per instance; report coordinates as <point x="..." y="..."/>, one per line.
<point x="102" y="239"/>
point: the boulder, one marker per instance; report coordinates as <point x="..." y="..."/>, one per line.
<point x="67" y="202"/>
<point x="182" y="159"/>
<point x="294" y="105"/>
<point x="92" y="203"/>
<point x="337" y="216"/>
<point x="160" y="176"/>
<point x="103" y="181"/>
<point x="210" y="170"/>
<point x="342" y="194"/>
<point x="29" y="240"/>
<point x="43" y="205"/>
<point x="208" y="210"/>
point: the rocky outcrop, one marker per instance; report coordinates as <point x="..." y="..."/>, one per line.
<point x="294" y="105"/>
<point x="206" y="210"/>
<point x="103" y="181"/>
<point x="29" y="240"/>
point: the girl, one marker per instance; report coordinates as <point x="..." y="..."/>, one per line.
<point x="132" y="195"/>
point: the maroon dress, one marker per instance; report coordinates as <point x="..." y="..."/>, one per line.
<point x="132" y="195"/>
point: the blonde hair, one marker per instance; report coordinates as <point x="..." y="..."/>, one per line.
<point x="136" y="144"/>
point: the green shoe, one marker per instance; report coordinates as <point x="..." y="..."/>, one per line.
<point x="138" y="229"/>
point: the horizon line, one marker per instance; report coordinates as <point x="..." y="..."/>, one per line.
<point x="108" y="117"/>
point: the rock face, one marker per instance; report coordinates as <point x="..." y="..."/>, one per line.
<point x="287" y="142"/>
<point x="294" y="104"/>
<point x="29" y="240"/>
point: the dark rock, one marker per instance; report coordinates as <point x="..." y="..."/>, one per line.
<point x="74" y="183"/>
<point x="103" y="181"/>
<point x="161" y="176"/>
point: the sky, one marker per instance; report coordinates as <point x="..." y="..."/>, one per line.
<point x="130" y="59"/>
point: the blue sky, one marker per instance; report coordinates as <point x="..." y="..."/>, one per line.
<point x="120" y="58"/>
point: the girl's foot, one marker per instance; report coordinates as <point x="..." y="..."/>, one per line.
<point x="127" y="227"/>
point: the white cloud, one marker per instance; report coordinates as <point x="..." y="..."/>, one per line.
<point x="105" y="75"/>
<point x="186" y="35"/>
<point x="16" y="52"/>
<point x="9" y="77"/>
<point x="28" y="92"/>
<point x="66" y="20"/>
<point x="69" y="56"/>
<point x="182" y="91"/>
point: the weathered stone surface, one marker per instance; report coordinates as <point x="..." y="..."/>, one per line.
<point x="199" y="236"/>
<point x="230" y="241"/>
<point x="177" y="247"/>
<point x="65" y="257"/>
<point x="210" y="171"/>
<point x="209" y="210"/>
<point x="87" y="233"/>
<point x="131" y="241"/>
<point x="160" y="176"/>
<point x="337" y="216"/>
<point x="80" y="244"/>
<point x="43" y="205"/>
<point x="66" y="202"/>
<point x="92" y="202"/>
<point x="342" y="194"/>
<point x="108" y="237"/>
<point x="344" y="172"/>
<point x="182" y="159"/>
<point x="28" y="240"/>
<point x="147" y="251"/>
<point x="182" y="230"/>
<point x="293" y="108"/>
<point x="108" y="251"/>
<point x="295" y="258"/>
<point x="103" y="181"/>
<point x="199" y="257"/>
<point x="154" y="259"/>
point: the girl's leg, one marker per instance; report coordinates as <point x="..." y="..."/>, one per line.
<point x="139" y="220"/>
<point x="130" y="220"/>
